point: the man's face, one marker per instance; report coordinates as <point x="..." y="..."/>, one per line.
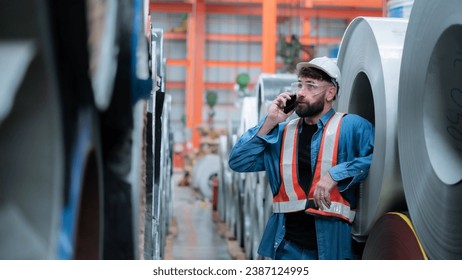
<point x="310" y="99"/>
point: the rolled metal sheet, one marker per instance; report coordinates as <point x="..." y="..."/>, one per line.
<point x="248" y="180"/>
<point x="270" y="86"/>
<point x="393" y="238"/>
<point x="204" y="169"/>
<point x="248" y="114"/>
<point x="232" y="197"/>
<point x="162" y="206"/>
<point x="249" y="210"/>
<point x="430" y="127"/>
<point x="261" y="220"/>
<point x="226" y="142"/>
<point x="102" y="40"/>
<point x="237" y="208"/>
<point x="33" y="158"/>
<point x="18" y="56"/>
<point x="136" y="175"/>
<point x="369" y="60"/>
<point x="223" y="176"/>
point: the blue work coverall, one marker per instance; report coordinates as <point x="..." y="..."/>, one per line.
<point x="253" y="153"/>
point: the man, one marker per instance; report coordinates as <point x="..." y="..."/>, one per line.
<point x="314" y="165"/>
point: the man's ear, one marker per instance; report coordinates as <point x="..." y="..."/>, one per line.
<point x="330" y="96"/>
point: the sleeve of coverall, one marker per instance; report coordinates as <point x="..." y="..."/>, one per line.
<point x="359" y="157"/>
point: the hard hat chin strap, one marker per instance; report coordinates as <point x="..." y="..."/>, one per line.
<point x="334" y="81"/>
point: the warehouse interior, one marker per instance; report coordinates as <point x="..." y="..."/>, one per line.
<point x="217" y="55"/>
<point x="117" y="119"/>
<point x="216" y="48"/>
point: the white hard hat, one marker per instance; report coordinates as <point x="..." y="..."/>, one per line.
<point x="324" y="64"/>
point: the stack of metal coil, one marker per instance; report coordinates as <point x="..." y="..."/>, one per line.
<point x="403" y="75"/>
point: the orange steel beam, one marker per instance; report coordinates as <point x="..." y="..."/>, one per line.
<point x="325" y="12"/>
<point x="190" y="78"/>
<point x="185" y="7"/>
<point x="174" y="36"/>
<point x="216" y="85"/>
<point x="249" y="38"/>
<point x="214" y="63"/>
<point x="349" y="3"/>
<point x="306" y="23"/>
<point x="234" y="37"/>
<point x="297" y="12"/>
<point x="178" y="62"/>
<point x="216" y="37"/>
<point x="207" y="85"/>
<point x="226" y="63"/>
<point x="320" y="40"/>
<point x="169" y="7"/>
<point x="269" y="26"/>
<point x="229" y="9"/>
<point x="329" y="12"/>
<point x="227" y="86"/>
<point x="175" y="84"/>
<point x="196" y="97"/>
<point x="235" y="1"/>
<point x="310" y="3"/>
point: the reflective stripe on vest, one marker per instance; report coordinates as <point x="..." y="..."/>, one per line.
<point x="327" y="158"/>
<point x="291" y="196"/>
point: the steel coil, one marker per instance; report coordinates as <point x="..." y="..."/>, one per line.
<point x="204" y="169"/>
<point x="137" y="176"/>
<point x="260" y="210"/>
<point x="102" y="41"/>
<point x="232" y="199"/>
<point x="227" y="182"/>
<point x="250" y="217"/>
<point x="160" y="153"/>
<point x="248" y="182"/>
<point x="32" y="143"/>
<point x="223" y="176"/>
<point x="430" y="127"/>
<point x="393" y="238"/>
<point x="165" y="179"/>
<point x="238" y="202"/>
<point x="270" y="86"/>
<point x="249" y="117"/>
<point x="369" y="60"/>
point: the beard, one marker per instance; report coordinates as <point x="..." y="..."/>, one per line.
<point x="311" y="109"/>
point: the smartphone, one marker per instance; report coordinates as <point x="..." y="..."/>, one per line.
<point x="290" y="104"/>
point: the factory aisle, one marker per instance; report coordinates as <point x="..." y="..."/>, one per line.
<point x="195" y="233"/>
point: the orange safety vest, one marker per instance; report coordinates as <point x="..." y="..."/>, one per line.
<point x="291" y="196"/>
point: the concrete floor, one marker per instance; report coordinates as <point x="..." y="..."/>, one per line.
<point x="196" y="232"/>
